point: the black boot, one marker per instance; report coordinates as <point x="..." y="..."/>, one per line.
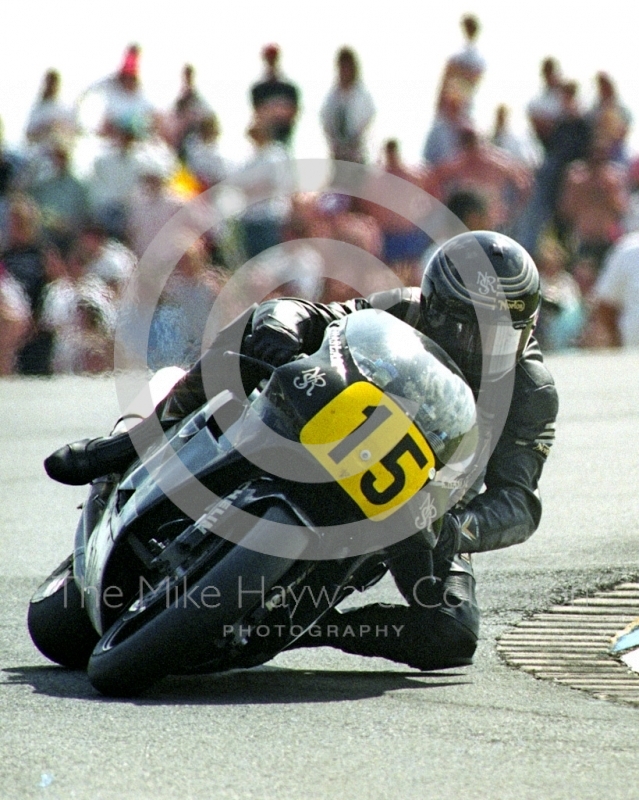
<point x="438" y="631"/>
<point x="81" y="462"/>
<point x="424" y="639"/>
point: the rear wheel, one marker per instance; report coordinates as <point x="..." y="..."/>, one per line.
<point x="58" y="622"/>
<point x="187" y="620"/>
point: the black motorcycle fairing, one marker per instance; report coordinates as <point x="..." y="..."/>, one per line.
<point x="372" y="374"/>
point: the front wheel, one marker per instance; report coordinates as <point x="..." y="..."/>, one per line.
<point x="58" y="622"/>
<point x="184" y="622"/>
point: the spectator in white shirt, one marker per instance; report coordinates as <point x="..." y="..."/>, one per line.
<point x="348" y="111"/>
<point x="614" y="320"/>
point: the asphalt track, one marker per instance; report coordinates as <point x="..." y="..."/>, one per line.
<point x="318" y="723"/>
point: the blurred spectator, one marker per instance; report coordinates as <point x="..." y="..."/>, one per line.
<point x="296" y="269"/>
<point x="614" y="320"/>
<point x="12" y="171"/>
<point x="585" y="269"/>
<point x="358" y="229"/>
<point x="631" y="220"/>
<point x="570" y="140"/>
<point x="112" y="180"/>
<point x="572" y="134"/>
<point x="79" y="310"/>
<point x="471" y="209"/>
<point x="465" y="68"/>
<point x="188" y="112"/>
<point x="179" y="321"/>
<point x="202" y="154"/>
<point x="104" y="258"/>
<point x="545" y="110"/>
<point x="610" y="119"/>
<point x="275" y="99"/>
<point x="361" y="231"/>
<point x="593" y="202"/>
<point x="347" y="111"/>
<point x="115" y="173"/>
<point x="443" y="138"/>
<point x="267" y="178"/>
<point x="403" y="242"/>
<point x="504" y="138"/>
<point x="62" y="198"/>
<point x="49" y="118"/>
<point x="562" y="314"/>
<point x="486" y="170"/>
<point x="15" y="320"/>
<point x="151" y="204"/>
<point x="31" y="262"/>
<point x="124" y="102"/>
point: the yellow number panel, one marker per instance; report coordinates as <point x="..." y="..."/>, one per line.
<point x="371" y="447"/>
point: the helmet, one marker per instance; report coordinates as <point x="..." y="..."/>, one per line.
<point x="480" y="300"/>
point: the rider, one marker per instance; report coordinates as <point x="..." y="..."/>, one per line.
<point x="439" y="626"/>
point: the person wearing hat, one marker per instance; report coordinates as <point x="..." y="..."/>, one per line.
<point x="124" y="102"/>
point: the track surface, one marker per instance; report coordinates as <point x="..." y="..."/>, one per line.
<point x="321" y="724"/>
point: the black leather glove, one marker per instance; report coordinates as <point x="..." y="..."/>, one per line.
<point x="275" y="346"/>
<point x="458" y="529"/>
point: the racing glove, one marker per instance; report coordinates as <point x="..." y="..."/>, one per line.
<point x="275" y="345"/>
<point x="459" y="531"/>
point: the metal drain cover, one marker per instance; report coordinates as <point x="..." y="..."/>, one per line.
<point x="571" y="644"/>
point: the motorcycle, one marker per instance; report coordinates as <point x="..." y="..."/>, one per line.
<point x="252" y="517"/>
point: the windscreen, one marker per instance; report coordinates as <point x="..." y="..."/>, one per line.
<point x="409" y="366"/>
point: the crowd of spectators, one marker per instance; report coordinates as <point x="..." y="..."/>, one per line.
<point x="68" y="243"/>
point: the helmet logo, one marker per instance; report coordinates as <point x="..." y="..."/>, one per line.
<point x="486" y="283"/>
<point x="513" y="305"/>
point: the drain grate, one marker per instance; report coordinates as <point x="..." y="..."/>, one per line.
<point x="570" y="644"/>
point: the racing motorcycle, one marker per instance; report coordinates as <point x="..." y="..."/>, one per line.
<point x="236" y="531"/>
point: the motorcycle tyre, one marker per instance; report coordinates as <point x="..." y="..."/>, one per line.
<point x="177" y="636"/>
<point x="58" y="623"/>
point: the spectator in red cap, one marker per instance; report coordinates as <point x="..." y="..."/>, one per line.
<point x="131" y="61"/>
<point x="275" y="99"/>
<point x="125" y="104"/>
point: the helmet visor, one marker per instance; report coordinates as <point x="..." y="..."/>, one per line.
<point x="501" y="347"/>
<point x="486" y="354"/>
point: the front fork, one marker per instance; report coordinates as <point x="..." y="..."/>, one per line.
<point x="92" y="510"/>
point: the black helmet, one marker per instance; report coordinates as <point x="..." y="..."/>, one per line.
<point x="480" y="302"/>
